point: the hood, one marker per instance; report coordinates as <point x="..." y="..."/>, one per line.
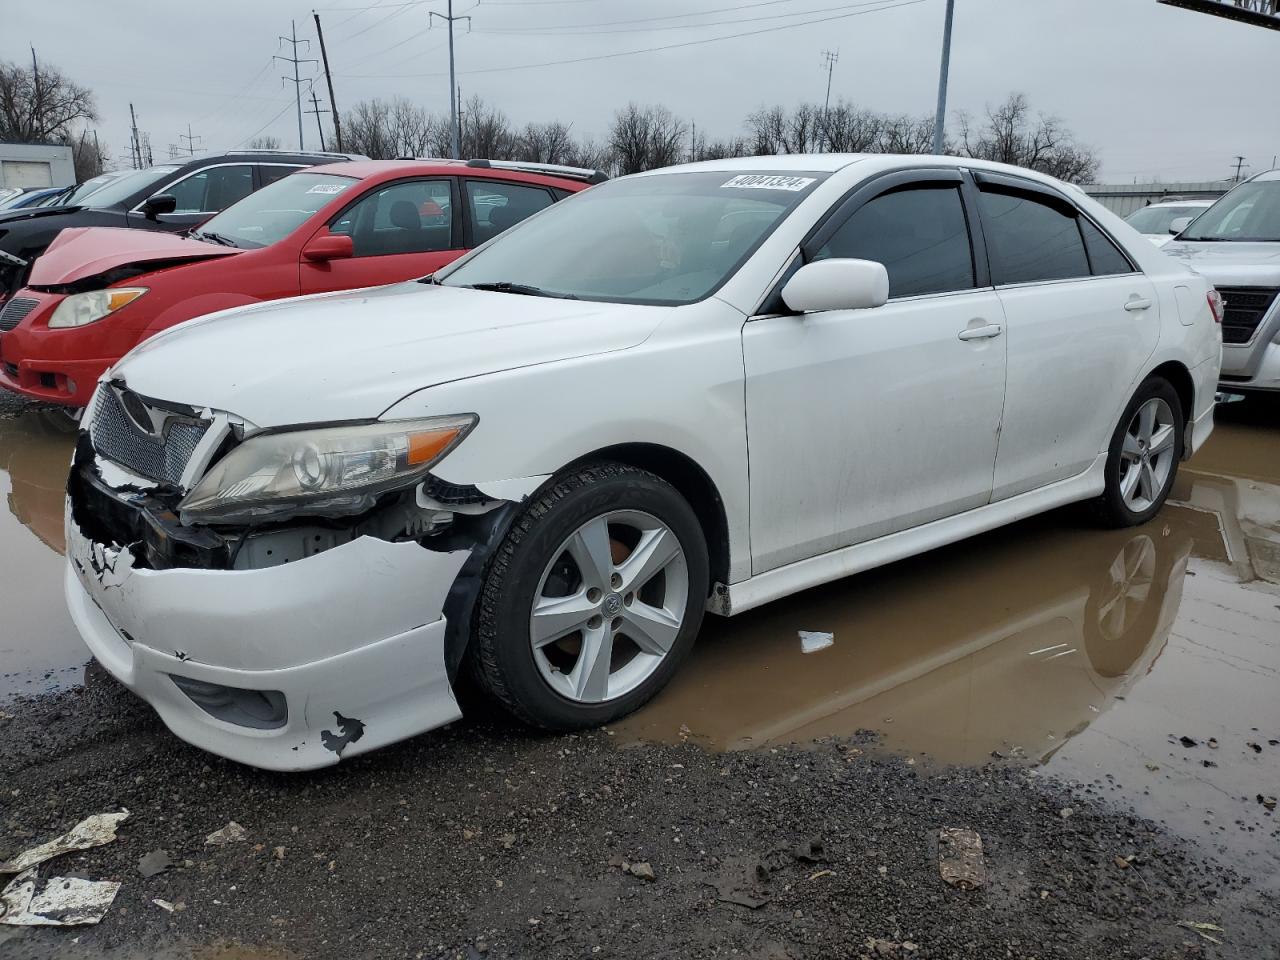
<point x="81" y="252"/>
<point x="1229" y="263"/>
<point x="352" y="355"/>
<point x="35" y="213"/>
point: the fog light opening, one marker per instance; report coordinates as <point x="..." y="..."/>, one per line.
<point x="257" y="709"/>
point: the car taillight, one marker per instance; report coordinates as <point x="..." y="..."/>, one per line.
<point x="1216" y="305"/>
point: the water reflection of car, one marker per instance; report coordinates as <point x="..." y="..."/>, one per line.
<point x="925" y="654"/>
<point x="34" y="451"/>
<point x="96" y="293"/>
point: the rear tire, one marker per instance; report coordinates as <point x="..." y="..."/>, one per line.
<point x="569" y="634"/>
<point x="1143" y="458"/>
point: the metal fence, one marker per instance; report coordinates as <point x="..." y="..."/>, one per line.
<point x="1124" y="198"/>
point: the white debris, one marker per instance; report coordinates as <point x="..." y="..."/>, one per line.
<point x="231" y="833"/>
<point x="164" y="905"/>
<point x="960" y="859"/>
<point x="811" y="642"/>
<point x="64" y="901"/>
<point x="90" y="832"/>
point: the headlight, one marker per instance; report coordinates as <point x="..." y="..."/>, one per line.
<point x="81" y="308"/>
<point x="337" y="471"/>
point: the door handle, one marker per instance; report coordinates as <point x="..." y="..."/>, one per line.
<point x="981" y="333"/>
<point x="1137" y="303"/>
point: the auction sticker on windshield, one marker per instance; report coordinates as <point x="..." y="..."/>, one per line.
<point x="758" y="181"/>
<point x="328" y="188"/>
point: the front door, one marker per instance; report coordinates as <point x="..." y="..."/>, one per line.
<point x="861" y="423"/>
<point x="399" y="231"/>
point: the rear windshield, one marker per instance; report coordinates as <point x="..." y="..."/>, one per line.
<point x="1249" y="212"/>
<point x="667" y="238"/>
<point x="275" y="211"/>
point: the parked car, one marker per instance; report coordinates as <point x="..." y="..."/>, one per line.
<point x="291" y="526"/>
<point x="1153" y="221"/>
<point x="334" y="227"/>
<point x="171" y="197"/>
<point x="30" y="198"/>
<point x="1236" y="245"/>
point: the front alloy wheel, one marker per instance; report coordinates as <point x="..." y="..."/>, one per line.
<point x="593" y="598"/>
<point x="1147" y="454"/>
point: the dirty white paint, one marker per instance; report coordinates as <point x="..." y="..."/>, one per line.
<point x="64" y="901"/>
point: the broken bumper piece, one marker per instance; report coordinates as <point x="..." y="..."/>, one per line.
<point x="286" y="668"/>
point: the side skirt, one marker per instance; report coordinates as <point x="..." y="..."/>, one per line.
<point x="794" y="577"/>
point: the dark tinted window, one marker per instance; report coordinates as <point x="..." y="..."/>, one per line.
<point x="1031" y="240"/>
<point x="212" y="190"/>
<point x="271" y="172"/>
<point x="920" y="235"/>
<point x="497" y="206"/>
<point x="1105" y="258"/>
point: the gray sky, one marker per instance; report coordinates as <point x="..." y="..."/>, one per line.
<point x="1157" y="90"/>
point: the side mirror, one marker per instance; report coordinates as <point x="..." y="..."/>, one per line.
<point x="1178" y="224"/>
<point x="837" y="285"/>
<point x="159" y="203"/>
<point x="329" y="246"/>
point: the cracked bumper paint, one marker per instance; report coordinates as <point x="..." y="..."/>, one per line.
<point x="355" y="633"/>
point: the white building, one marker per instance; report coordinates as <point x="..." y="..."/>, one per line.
<point x="36" y="165"/>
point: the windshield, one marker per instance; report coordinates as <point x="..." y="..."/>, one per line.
<point x="1249" y="212"/>
<point x="663" y="239"/>
<point x="1158" y="219"/>
<point x="126" y="185"/>
<point x="275" y="211"/>
<point x="78" y="195"/>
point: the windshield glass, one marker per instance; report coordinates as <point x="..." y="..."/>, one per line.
<point x="125" y="186"/>
<point x="81" y="193"/>
<point x="1158" y="219"/>
<point x="276" y="210"/>
<point x="1249" y="212"/>
<point x="663" y="239"/>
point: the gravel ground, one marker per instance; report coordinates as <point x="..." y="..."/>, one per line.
<point x="486" y="839"/>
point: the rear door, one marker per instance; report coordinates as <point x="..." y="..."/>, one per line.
<point x="496" y="205"/>
<point x="864" y="422"/>
<point x="399" y="231"/>
<point x="1081" y="321"/>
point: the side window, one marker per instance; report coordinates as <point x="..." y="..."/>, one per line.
<point x="413" y="216"/>
<point x="212" y="190"/>
<point x="496" y="206"/>
<point x="919" y="234"/>
<point x="1104" y="257"/>
<point x="270" y="173"/>
<point x="1031" y="239"/>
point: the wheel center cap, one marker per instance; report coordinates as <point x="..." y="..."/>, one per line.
<point x="612" y="605"/>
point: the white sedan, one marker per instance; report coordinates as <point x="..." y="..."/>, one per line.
<point x="292" y="527"/>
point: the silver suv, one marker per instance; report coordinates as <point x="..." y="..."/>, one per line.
<point x="1235" y="244"/>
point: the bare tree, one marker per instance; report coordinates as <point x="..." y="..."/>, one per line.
<point x="38" y="104"/>
<point x="1010" y="134"/>
<point x="386" y="129"/>
<point x="88" y="156"/>
<point x="646" y="137"/>
<point x="850" y="129"/>
<point x="486" y="132"/>
<point x="906" y="134"/>
<point x="545" y="142"/>
<point x="264" y="143"/>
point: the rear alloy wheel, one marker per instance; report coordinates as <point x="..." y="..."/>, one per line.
<point x="1144" y="454"/>
<point x="592" y="600"/>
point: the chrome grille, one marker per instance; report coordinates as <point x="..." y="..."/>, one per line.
<point x="15" y="311"/>
<point x="160" y="458"/>
<point x="1244" y="310"/>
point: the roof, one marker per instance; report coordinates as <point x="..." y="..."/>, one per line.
<point x="387" y="169"/>
<point x="1268" y="176"/>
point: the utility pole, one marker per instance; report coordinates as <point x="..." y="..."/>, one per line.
<point x="296" y="79"/>
<point x="456" y="132"/>
<point x="135" y="145"/>
<point x="831" y="57"/>
<point x="940" y="119"/>
<point x="1239" y="166"/>
<point x="315" y="108"/>
<point x="191" y="141"/>
<point x="693" y="140"/>
<point x="328" y="79"/>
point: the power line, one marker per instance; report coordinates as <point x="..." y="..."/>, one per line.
<point x="328" y="79"/>
<point x="887" y="5"/>
<point x="675" y="16"/>
<point x="1239" y="166"/>
<point x="455" y="132"/>
<point x="316" y="109"/>
<point x="191" y="141"/>
<point x="680" y="26"/>
<point x="297" y="80"/>
<point x="831" y="58"/>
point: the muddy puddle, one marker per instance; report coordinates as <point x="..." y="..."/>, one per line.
<point x="39" y="648"/>
<point x="1089" y="653"/>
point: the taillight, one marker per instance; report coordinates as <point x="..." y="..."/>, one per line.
<point x="1216" y="305"/>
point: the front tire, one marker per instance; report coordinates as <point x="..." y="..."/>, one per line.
<point x="593" y="599"/>
<point x="1143" y="458"/>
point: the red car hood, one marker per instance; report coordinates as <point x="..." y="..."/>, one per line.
<point x="81" y="252"/>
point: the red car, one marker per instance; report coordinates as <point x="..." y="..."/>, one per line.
<point x="96" y="292"/>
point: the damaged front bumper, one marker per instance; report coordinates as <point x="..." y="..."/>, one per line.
<point x="286" y="667"/>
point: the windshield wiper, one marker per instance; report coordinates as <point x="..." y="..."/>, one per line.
<point x="213" y="237"/>
<point x="524" y="289"/>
